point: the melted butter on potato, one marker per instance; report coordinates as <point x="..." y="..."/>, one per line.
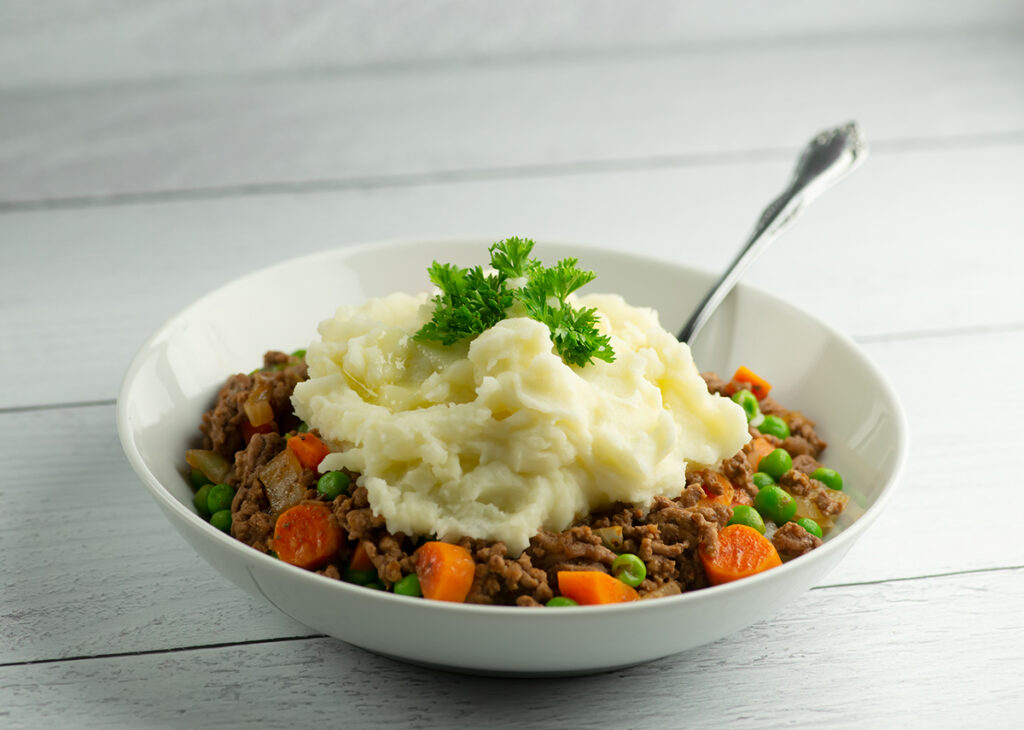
<point x="499" y="438"/>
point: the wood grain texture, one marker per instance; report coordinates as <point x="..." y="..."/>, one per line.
<point x="91" y="565"/>
<point x="876" y="256"/>
<point x="329" y="131"/>
<point x="152" y="151"/>
<point x="82" y="41"/>
<point x="946" y="668"/>
<point x="132" y="584"/>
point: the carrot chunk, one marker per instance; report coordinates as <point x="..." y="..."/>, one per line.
<point x="248" y="430"/>
<point x="445" y="571"/>
<point x="310" y="450"/>
<point x="307" y="535"/>
<point x="742" y="552"/>
<point x="758" y="385"/>
<point x="360" y="558"/>
<point x="757" y="449"/>
<point x="592" y="587"/>
<point x="725" y="491"/>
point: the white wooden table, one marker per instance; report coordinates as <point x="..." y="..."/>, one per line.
<point x="150" y="152"/>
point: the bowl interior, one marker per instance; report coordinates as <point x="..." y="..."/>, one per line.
<point x="174" y="378"/>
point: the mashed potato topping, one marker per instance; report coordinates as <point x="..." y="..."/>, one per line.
<point x="499" y="438"/>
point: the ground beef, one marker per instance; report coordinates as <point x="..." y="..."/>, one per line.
<point x="252" y="520"/>
<point x="577" y="548"/>
<point x="738" y="470"/>
<point x="806" y="464"/>
<point x="803" y="428"/>
<point x="668" y="536"/>
<point x="391" y="554"/>
<point x="828" y="501"/>
<point x="796" y="482"/>
<point x="259" y="451"/>
<point x="791" y="540"/>
<point x="503" y="580"/>
<point x="222" y="425"/>
<point x="715" y="384"/>
<point x="355" y="516"/>
<point x="770" y="407"/>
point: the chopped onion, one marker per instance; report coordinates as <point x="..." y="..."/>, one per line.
<point x="806" y="508"/>
<point x="282" y="479"/>
<point x="213" y="466"/>
<point x="610" y="536"/>
<point x="257" y="405"/>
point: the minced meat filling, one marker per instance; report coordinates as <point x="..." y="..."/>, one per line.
<point x="667" y="537"/>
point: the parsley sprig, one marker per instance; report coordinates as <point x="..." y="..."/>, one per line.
<point x="472" y="301"/>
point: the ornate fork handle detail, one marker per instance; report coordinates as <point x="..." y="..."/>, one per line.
<point x="829" y="157"/>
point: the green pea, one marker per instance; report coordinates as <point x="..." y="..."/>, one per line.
<point x="361" y="577"/>
<point x="630" y="569"/>
<point x="748" y="402"/>
<point x="762" y="480"/>
<point x="810" y="525"/>
<point x="743" y="514"/>
<point x="776" y="463"/>
<point x="775" y="504"/>
<point x="829" y="477"/>
<point x="332" y="484"/>
<point x="560" y="601"/>
<point x="409" y="586"/>
<point x="220" y="497"/>
<point x="200" y="500"/>
<point x="303" y="427"/>
<point x="774" y="426"/>
<point x="299" y="353"/>
<point x="221" y="519"/>
<point x="198" y="479"/>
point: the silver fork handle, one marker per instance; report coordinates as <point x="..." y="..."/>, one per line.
<point x="828" y="158"/>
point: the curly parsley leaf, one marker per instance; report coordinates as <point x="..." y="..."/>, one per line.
<point x="574" y="332"/>
<point x="471" y="301"/>
<point x="511" y="257"/>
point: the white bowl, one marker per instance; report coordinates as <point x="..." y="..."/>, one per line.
<point x="175" y="376"/>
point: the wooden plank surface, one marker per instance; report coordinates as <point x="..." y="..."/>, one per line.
<point x="154" y="151"/>
<point x="356" y="130"/>
<point x="92" y="567"/>
<point x="883" y="248"/>
<point x="817" y="663"/>
<point x="74" y="42"/>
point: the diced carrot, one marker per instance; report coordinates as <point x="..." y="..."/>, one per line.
<point x="445" y="571"/>
<point x="307" y="535"/>
<point x="725" y="490"/>
<point x="592" y="587"/>
<point x="757" y="449"/>
<point x="758" y="385"/>
<point x="360" y="558"/>
<point x="742" y="552"/>
<point x="248" y="430"/>
<point x="310" y="450"/>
